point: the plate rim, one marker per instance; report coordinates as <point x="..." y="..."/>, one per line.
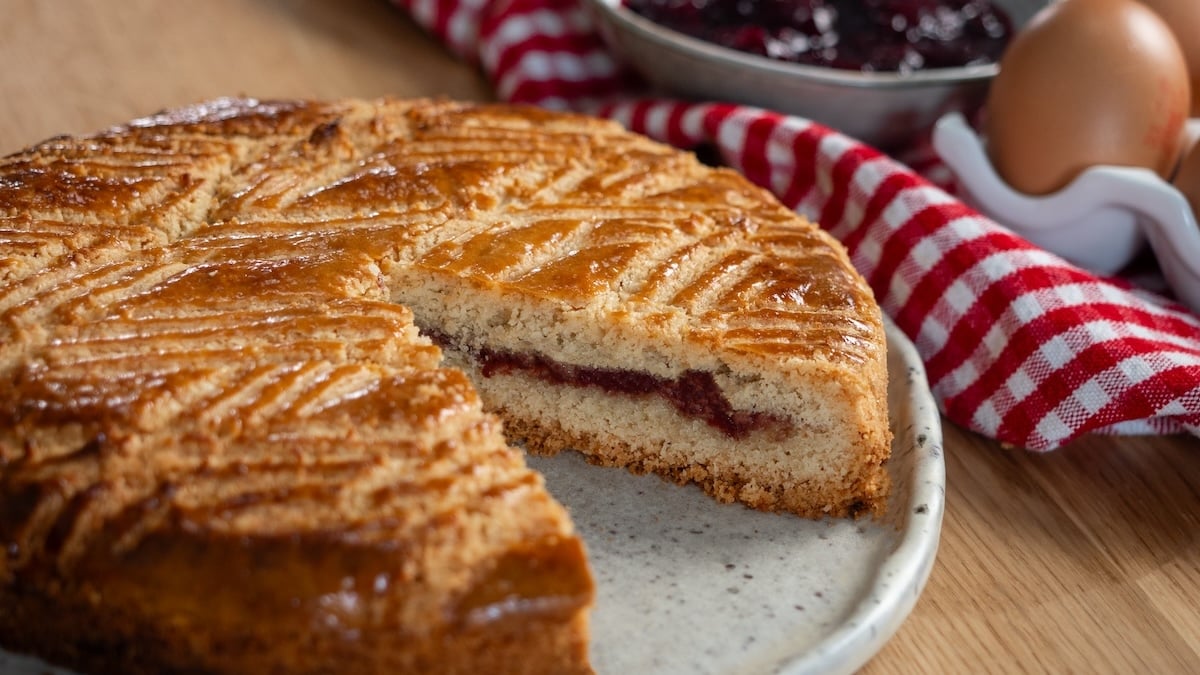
<point x="901" y="577"/>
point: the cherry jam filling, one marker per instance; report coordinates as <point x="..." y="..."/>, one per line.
<point x="868" y="35"/>
<point x="694" y="394"/>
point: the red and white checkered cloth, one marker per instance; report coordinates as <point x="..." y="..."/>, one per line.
<point x="1019" y="345"/>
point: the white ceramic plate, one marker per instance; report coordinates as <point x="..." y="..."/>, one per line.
<point x="686" y="585"/>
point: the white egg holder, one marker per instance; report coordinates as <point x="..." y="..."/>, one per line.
<point x="1100" y="221"/>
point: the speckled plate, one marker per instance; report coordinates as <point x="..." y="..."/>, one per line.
<point x="686" y="585"/>
<point x="689" y="586"/>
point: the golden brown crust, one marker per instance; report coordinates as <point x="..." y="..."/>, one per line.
<point x="227" y="454"/>
<point x="67" y="629"/>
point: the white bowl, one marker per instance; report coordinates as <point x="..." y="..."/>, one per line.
<point x="1100" y="221"/>
<point x="883" y="109"/>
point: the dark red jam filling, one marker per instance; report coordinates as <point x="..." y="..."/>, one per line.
<point x="694" y="394"/>
<point x="867" y="35"/>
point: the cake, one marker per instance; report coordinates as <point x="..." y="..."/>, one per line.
<point x="268" y="367"/>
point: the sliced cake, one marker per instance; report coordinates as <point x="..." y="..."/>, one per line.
<point x="254" y="359"/>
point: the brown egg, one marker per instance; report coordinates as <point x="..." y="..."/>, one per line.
<point x="1183" y="17"/>
<point x="1087" y="82"/>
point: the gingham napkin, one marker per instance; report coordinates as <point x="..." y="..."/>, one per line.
<point x="1019" y="345"/>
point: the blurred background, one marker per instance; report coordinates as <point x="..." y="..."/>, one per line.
<point x="100" y="67"/>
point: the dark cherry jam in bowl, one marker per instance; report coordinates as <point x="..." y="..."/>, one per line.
<point x="873" y="69"/>
<point x="901" y="36"/>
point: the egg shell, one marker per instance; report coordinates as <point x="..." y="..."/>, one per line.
<point x="1183" y="17"/>
<point x="1085" y="83"/>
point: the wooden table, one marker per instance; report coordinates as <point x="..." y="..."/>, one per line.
<point x="1083" y="560"/>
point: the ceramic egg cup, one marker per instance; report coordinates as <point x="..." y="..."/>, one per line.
<point x="1100" y="221"/>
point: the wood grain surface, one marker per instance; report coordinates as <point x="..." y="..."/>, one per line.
<point x="1085" y="560"/>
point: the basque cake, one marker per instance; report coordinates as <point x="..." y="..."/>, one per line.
<point x="260" y="358"/>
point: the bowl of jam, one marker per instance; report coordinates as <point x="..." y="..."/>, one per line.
<point x="881" y="71"/>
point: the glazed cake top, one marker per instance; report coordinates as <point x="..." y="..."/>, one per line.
<point x="210" y="281"/>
